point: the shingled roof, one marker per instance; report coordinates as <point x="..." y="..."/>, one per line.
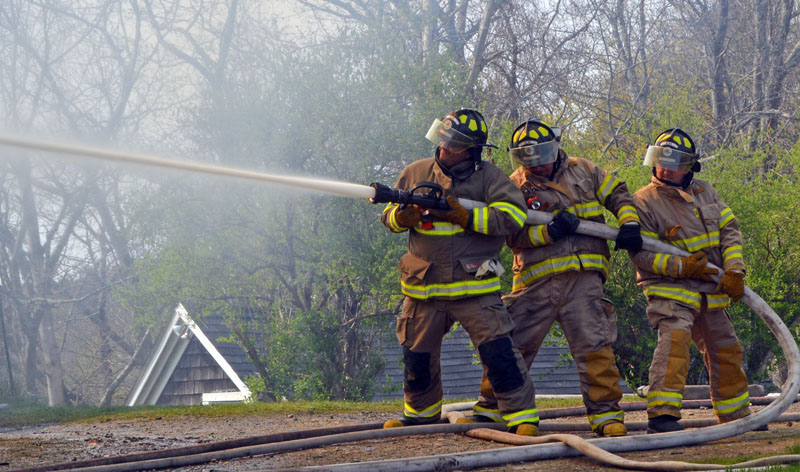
<point x="553" y="371"/>
<point x="192" y="365"/>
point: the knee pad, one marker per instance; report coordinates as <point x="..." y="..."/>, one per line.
<point x="417" y="370"/>
<point x="501" y="365"/>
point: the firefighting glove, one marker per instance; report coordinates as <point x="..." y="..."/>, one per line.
<point x="563" y="224"/>
<point x="695" y="267"/>
<point x="732" y="284"/>
<point x="407" y="217"/>
<point x="629" y="237"/>
<point x="457" y="214"/>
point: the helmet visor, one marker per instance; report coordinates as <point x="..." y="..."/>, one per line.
<point x="444" y="135"/>
<point x="534" y="155"/>
<point x="668" y="158"/>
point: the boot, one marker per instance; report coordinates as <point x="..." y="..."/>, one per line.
<point x="663" y="424"/>
<point x="408" y="421"/>
<point x="475" y="419"/>
<point x="612" y="429"/>
<point x="525" y="429"/>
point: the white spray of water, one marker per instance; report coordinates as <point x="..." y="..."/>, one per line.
<point x="326" y="186"/>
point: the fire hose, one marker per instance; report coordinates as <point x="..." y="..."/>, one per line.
<point x="377" y="193"/>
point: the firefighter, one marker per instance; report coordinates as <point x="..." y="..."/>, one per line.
<point x="451" y="273"/>
<point x="559" y="274"/>
<point x="684" y="304"/>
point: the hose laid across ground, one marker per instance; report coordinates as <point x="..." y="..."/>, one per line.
<point x="623" y="444"/>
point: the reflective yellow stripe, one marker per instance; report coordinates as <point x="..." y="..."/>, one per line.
<point x="732" y="252"/>
<point x="588" y="210"/>
<point x="393" y="225"/>
<point x="726" y="216"/>
<point x="430" y="412"/>
<point x="699" y="242"/>
<point x="524" y="416"/>
<point x="480" y="220"/>
<point x="608" y="186"/>
<point x="600" y="418"/>
<point x="451" y="290"/>
<point x="627" y="214"/>
<point x="664" y="399"/>
<point x="536" y="235"/>
<point x="715" y="301"/>
<point x="494" y="414"/>
<point x="440" y="228"/>
<point x="557" y="265"/>
<point x="660" y="263"/>
<point x="723" y="407"/>
<point x="650" y="234"/>
<point x="516" y="212"/>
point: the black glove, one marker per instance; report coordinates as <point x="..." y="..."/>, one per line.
<point x="629" y="237"/>
<point x="563" y="224"/>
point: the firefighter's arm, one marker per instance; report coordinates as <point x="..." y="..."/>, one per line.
<point x="730" y="240"/>
<point x="730" y="243"/>
<point x="613" y="194"/>
<point x="396" y="219"/>
<point x="654" y="262"/>
<point x="505" y="212"/>
<point x="528" y="237"/>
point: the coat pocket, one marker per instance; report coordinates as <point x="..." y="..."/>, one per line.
<point x="611" y="319"/>
<point x="413" y="269"/>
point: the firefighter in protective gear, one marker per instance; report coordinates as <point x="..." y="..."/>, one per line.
<point x="451" y="273"/>
<point x="684" y="304"/>
<point x="559" y="275"/>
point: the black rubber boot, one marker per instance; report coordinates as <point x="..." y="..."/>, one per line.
<point x="406" y="421"/>
<point x="663" y="424"/>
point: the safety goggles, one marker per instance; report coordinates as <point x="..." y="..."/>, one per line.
<point x="668" y="158"/>
<point x="442" y="134"/>
<point x="534" y="155"/>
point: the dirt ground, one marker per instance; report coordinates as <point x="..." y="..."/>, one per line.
<point x="51" y="444"/>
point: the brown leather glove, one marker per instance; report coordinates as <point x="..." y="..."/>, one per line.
<point x="407" y="217"/>
<point x="732" y="284"/>
<point x="457" y="214"/>
<point x="694" y="267"/>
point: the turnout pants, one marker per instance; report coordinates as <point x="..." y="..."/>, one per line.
<point x="713" y="333"/>
<point x="420" y="330"/>
<point x="575" y="300"/>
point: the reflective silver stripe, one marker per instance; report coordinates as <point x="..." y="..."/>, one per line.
<point x="608" y="186"/>
<point x="515" y="212"/>
<point x="724" y="407"/>
<point x="664" y="399"/>
<point x="493" y="414"/>
<point x="598" y="419"/>
<point x="726" y="216"/>
<point x="524" y="416"/>
<point x="430" y="412"/>
<point x="454" y="289"/>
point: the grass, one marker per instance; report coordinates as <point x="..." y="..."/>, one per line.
<point x="22" y="413"/>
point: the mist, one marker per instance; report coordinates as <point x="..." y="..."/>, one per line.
<point x="97" y="254"/>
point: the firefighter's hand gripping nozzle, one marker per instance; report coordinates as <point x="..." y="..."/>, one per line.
<point x="432" y="199"/>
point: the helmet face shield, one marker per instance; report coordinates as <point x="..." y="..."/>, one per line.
<point x="534" y="155"/>
<point x="668" y="158"/>
<point x="444" y="135"/>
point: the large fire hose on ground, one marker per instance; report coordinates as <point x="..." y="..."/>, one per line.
<point x="623" y="444"/>
<point x="378" y="193"/>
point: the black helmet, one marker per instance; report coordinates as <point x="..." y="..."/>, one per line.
<point x="533" y="144"/>
<point x="460" y="130"/>
<point x="673" y="149"/>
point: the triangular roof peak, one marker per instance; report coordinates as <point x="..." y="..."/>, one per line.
<point x="171" y="346"/>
